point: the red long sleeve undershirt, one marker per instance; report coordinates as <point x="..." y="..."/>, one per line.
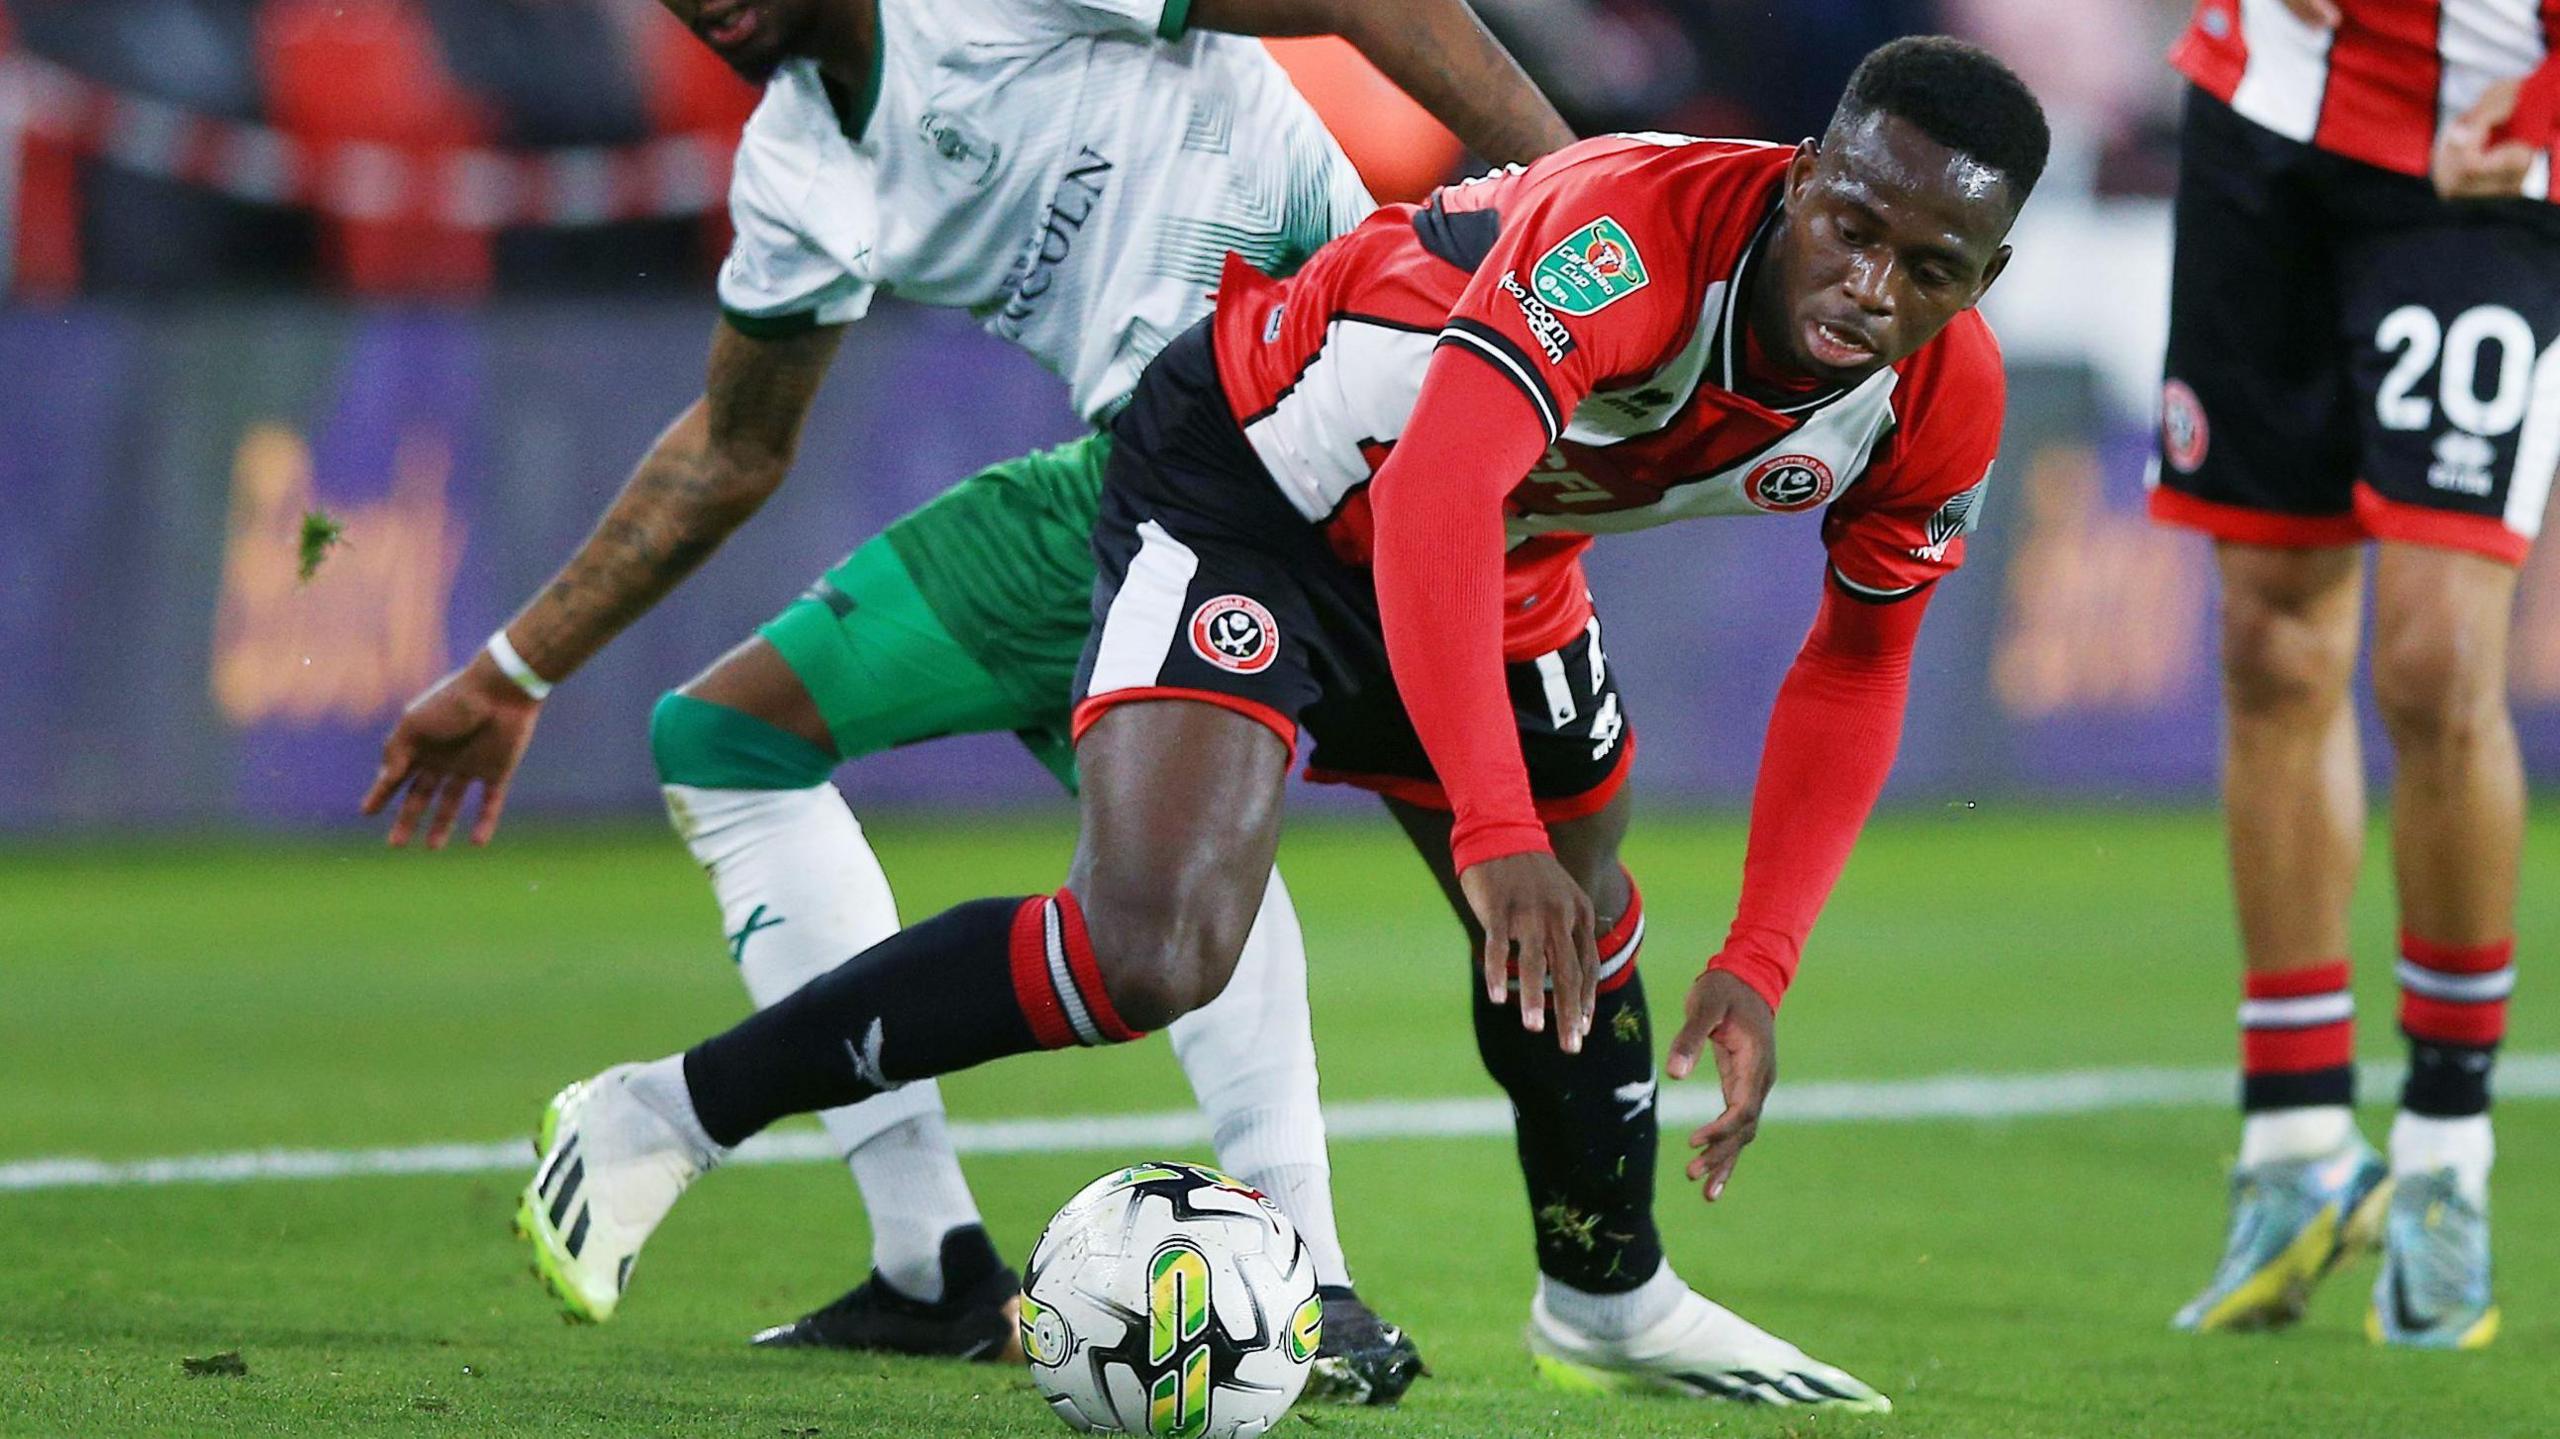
<point x="1832" y="736"/>
<point x="1438" y="554"/>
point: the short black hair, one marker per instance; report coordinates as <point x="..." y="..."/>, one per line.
<point x="1959" y="95"/>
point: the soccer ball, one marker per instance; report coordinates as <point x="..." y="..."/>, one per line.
<point x="1170" y="1300"/>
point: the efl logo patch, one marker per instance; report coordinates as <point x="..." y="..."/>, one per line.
<point x="1595" y="267"/>
<point x="2184" y="436"/>
<point x="1235" y="633"/>
<point x="1788" y="483"/>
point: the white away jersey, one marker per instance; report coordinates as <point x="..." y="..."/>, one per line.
<point x="1073" y="172"/>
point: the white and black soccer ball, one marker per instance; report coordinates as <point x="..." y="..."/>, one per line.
<point x="1170" y="1300"/>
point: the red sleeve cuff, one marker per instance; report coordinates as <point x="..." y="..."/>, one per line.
<point x="1767" y="975"/>
<point x="1471" y="847"/>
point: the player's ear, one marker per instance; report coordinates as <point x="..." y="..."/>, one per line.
<point x="1990" y="272"/>
<point x="1800" y="169"/>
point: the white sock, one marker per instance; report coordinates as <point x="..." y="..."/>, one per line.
<point x="1251" y="1057"/>
<point x="1613" y="1316"/>
<point x="2423" y="1144"/>
<point x="2310" y="1131"/>
<point x="800" y="892"/>
<point x="659" y="1084"/>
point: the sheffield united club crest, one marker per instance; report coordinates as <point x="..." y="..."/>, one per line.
<point x="1787" y="483"/>
<point x="1235" y="633"/>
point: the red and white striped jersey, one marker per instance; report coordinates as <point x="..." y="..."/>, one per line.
<point x="1606" y="282"/>
<point x="2378" y="87"/>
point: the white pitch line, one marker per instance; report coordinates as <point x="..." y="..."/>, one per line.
<point x="1976" y="1097"/>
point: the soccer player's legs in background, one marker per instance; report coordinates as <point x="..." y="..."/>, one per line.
<point x="2294" y="815"/>
<point x="2257" y="449"/>
<point x="2435" y="316"/>
<point x="2454" y="315"/>
<point x="2441" y="621"/>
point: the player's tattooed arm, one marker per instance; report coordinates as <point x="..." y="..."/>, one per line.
<point x="711" y="469"/>
<point x="714" y="467"/>
<point x="1436" y="50"/>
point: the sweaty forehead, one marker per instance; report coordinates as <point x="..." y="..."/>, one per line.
<point x="1881" y="159"/>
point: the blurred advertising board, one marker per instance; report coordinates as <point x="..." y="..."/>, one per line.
<point x="165" y="663"/>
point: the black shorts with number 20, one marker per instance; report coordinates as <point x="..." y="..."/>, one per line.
<point x="1210" y="587"/>
<point x="2350" y="357"/>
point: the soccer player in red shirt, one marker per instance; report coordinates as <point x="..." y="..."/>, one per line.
<point x="1354" y="502"/>
<point x="2365" y="347"/>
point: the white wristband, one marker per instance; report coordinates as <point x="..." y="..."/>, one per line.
<point x="512" y="665"/>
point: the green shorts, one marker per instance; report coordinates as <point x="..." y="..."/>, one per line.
<point x="966" y="616"/>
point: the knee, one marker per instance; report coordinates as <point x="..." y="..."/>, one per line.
<point x="712" y="746"/>
<point x="670" y="735"/>
<point x="1165" y="952"/>
<point x="2436" y="681"/>
<point x="2282" y="660"/>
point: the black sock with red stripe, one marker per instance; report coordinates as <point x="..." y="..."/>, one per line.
<point x="1585" y="1124"/>
<point x="2298" y="1039"/>
<point x="2453" y="1011"/>
<point x="990" y="978"/>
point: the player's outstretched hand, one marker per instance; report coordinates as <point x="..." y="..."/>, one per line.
<point x="1725" y="1012"/>
<point x="470" y="729"/>
<point x="1538" y="922"/>
<point x="2466" y="166"/>
<point x="2321" y="14"/>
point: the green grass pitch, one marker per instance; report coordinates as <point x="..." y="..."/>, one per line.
<point x="1998" y="1278"/>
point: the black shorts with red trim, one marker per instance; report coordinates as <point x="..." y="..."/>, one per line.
<point x="2350" y="357"/>
<point x="1210" y="587"/>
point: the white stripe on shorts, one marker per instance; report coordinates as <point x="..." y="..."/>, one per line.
<point x="2460" y="988"/>
<point x="2298" y="1013"/>
<point x="2537" y="449"/>
<point x="1560" y="706"/>
<point x="1146" y="615"/>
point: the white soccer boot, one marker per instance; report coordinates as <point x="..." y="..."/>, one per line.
<point x="1700" y="1348"/>
<point x="612" y="1166"/>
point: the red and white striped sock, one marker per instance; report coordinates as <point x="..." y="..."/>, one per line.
<point x="1618" y="945"/>
<point x="1055" y="978"/>
<point x="2453" y="1010"/>
<point x="2297" y="1063"/>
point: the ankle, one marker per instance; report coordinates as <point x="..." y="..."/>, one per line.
<point x="2427" y="1144"/>
<point x="2284" y="1136"/>
<point x="1617" y="1315"/>
<point x="659" y="1086"/>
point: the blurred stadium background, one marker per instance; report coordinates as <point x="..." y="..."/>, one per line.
<point x="442" y="268"/>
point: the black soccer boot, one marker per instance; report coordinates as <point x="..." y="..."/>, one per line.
<point x="1363" y="1359"/>
<point x="975" y="1319"/>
